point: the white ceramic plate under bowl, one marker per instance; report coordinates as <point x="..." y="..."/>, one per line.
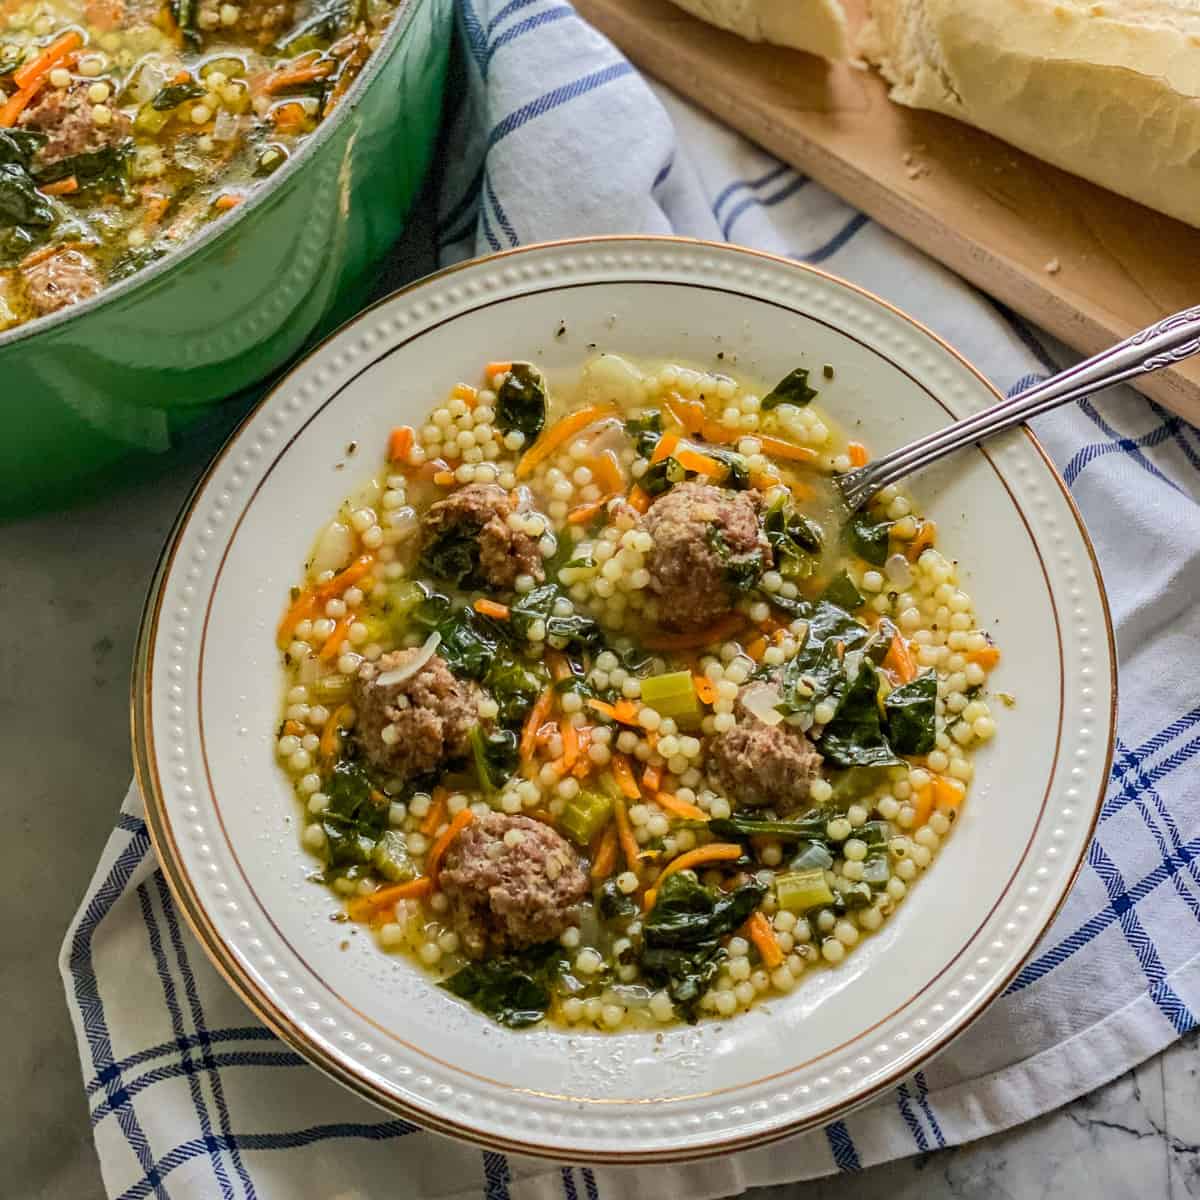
<point x="225" y="823"/>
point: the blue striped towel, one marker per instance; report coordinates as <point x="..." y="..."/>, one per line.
<point x="557" y="135"/>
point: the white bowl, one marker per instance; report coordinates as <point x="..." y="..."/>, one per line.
<point x="225" y="823"/>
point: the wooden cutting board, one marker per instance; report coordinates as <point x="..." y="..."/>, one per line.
<point x="1083" y="263"/>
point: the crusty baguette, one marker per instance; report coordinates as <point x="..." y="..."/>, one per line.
<point x="1108" y="90"/>
<point x="818" y="26"/>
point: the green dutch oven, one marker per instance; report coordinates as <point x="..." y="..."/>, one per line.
<point x="101" y="391"/>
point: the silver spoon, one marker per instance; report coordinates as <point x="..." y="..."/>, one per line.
<point x="1170" y="341"/>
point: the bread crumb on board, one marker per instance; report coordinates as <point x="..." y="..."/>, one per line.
<point x="1052" y="267"/>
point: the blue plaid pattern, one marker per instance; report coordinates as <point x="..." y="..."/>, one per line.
<point x="189" y="1098"/>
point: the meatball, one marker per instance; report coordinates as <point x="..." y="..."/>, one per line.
<point x="479" y="514"/>
<point x="260" y="21"/>
<point x="760" y="765"/>
<point x="65" y="277"/>
<point x="705" y="539"/>
<point x="64" y="115"/>
<point x="511" y="882"/>
<point x="409" y="728"/>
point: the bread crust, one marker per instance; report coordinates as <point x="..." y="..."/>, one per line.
<point x="1109" y="91"/>
<point x="817" y="26"/>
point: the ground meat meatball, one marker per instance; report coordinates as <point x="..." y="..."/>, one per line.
<point x="259" y="20"/>
<point x="480" y="512"/>
<point x="410" y="728"/>
<point x="66" y="277"/>
<point x="64" y="115"/>
<point x="512" y="882"/>
<point x="704" y="536"/>
<point x="759" y="765"/>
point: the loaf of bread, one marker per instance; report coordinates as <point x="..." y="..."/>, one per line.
<point x="1107" y="89"/>
<point x="818" y="26"/>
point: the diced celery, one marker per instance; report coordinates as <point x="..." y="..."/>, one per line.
<point x="672" y="695"/>
<point x="798" y="891"/>
<point x="391" y="859"/>
<point x="332" y="689"/>
<point x="877" y="870"/>
<point x="150" y="120"/>
<point x="403" y="596"/>
<point x="813" y="856"/>
<point x="584" y="816"/>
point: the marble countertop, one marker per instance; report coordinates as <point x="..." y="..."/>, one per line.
<point x="74" y="582"/>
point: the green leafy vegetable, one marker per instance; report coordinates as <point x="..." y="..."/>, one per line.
<point x="327" y="22"/>
<point x="855" y="737"/>
<point x="107" y="165"/>
<point x="811" y="827"/>
<point x="817" y="672"/>
<point x="521" y="402"/>
<point x="452" y="554"/>
<point x="741" y="571"/>
<point x="738" y="479"/>
<point x="20" y="145"/>
<point x="352" y="821"/>
<point x="174" y="94"/>
<point x="184" y="13"/>
<point x="645" y="431"/>
<point x="613" y="904"/>
<point x="868" y="537"/>
<point x="794" y="537"/>
<point x="513" y="686"/>
<point x="911" y="712"/>
<point x="662" y="476"/>
<point x="469" y="641"/>
<point x="793" y="389"/>
<point x="513" y="990"/>
<point x="843" y="593"/>
<point x="681" y="936"/>
<point x="495" y="756"/>
<point x="579" y="633"/>
<point x="20" y="201"/>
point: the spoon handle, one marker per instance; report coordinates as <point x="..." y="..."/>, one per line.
<point x="1169" y="341"/>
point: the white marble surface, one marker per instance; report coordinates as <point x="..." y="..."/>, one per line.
<point x="71" y="588"/>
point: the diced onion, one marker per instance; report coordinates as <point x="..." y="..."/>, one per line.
<point x="335" y="548"/>
<point x="400" y="674"/>
<point x="225" y="127"/>
<point x="898" y="571"/>
<point x="762" y="700"/>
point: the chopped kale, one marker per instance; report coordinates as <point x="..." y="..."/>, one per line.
<point x="843" y="593"/>
<point x="513" y="990"/>
<point x="868" y="537"/>
<point x="352" y="820"/>
<point x="741" y="571"/>
<point x="172" y="95"/>
<point x="855" y="736"/>
<point x="21" y="203"/>
<point x="911" y="712"/>
<point x="645" y="431"/>
<point x="521" y="402"/>
<point x="663" y="475"/>
<point x="108" y="165"/>
<point x="793" y="389"/>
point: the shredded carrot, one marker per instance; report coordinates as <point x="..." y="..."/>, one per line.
<point x="32" y="260"/>
<point x="629" y="846"/>
<point x="435" y="818"/>
<point x="584" y="767"/>
<point x="857" y="453"/>
<point x="289" y="117"/>
<point x="899" y="660"/>
<point x="537" y="714"/>
<point x="924" y="539"/>
<point x="15" y="105"/>
<point x="948" y="794"/>
<point x="329" y="735"/>
<point x="303" y="608"/>
<point x="638" y="499"/>
<point x="309" y="602"/>
<point x="922" y="805"/>
<point x="439" y="847"/>
<point x="718" y="631"/>
<point x="558" y="665"/>
<point x="559" y="433"/>
<point x="702" y="464"/>
<point x="665" y="448"/>
<point x="63" y="187"/>
<point x="778" y="449"/>
<point x="490" y="608"/>
<point x="606" y="471"/>
<point x="228" y="201"/>
<point x="679" y="808"/>
<point x="41" y="65"/>
<point x="444" y="479"/>
<point x="466" y="393"/>
<point x="181" y="77"/>
<point x="652" y="778"/>
<point x="157" y="204"/>
<point x="585" y="512"/>
<point x="623" y="774"/>
<point x="288" y="77"/>
<point x="400" y="443"/>
<point x="706" y="690"/>
<point x="294" y="728"/>
<point x="496" y="368"/>
<point x="758" y="930"/>
<point x="364" y="908"/>
<point x="986" y="658"/>
<point x="765" y="480"/>
<point x="689" y="413"/>
<point x="333" y="643"/>
<point x="757" y="649"/>
<point x="714" y="852"/>
<point x="570" y="741"/>
<point x="604" y="858"/>
<point x="624" y="712"/>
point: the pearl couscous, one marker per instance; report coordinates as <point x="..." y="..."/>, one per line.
<point x="602" y="709"/>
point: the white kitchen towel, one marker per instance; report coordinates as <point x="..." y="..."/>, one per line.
<point x="557" y="135"/>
